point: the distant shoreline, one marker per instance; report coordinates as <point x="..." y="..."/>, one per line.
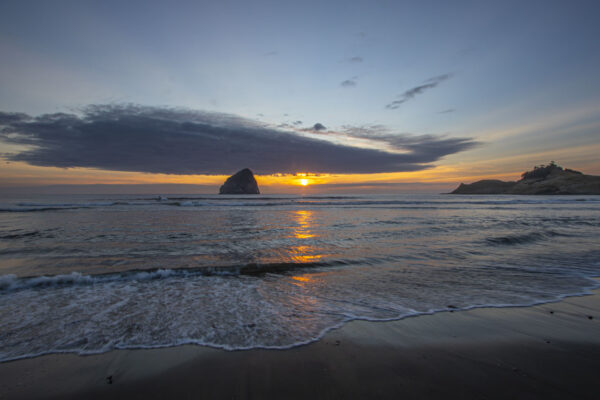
<point x="548" y="179"/>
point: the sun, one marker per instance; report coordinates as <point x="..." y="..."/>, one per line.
<point x="304" y="182"/>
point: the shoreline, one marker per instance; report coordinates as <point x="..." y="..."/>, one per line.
<point x="587" y="291"/>
<point x="550" y="350"/>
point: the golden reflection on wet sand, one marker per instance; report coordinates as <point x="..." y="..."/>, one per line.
<point x="307" y="304"/>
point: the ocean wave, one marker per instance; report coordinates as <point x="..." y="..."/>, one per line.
<point x="310" y="201"/>
<point x="11" y="283"/>
<point x="134" y="287"/>
<point x="523" y="238"/>
<point x="118" y="332"/>
<point x="20" y="235"/>
<point x="90" y="204"/>
<point x="37" y="209"/>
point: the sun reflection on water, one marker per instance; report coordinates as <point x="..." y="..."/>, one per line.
<point x="304" y="220"/>
<point x="305" y="252"/>
<point x="302" y="278"/>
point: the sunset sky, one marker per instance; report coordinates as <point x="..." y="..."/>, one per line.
<point x="381" y="96"/>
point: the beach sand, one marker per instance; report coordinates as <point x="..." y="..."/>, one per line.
<point x="550" y="351"/>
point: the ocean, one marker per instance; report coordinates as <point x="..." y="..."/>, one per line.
<point x="89" y="274"/>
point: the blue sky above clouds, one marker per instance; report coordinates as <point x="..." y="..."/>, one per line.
<point x="517" y="77"/>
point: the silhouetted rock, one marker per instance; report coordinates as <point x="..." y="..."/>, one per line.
<point x="484" y="187"/>
<point x="242" y="182"/>
<point x="543" y="179"/>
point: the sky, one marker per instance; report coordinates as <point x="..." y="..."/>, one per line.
<point x="343" y="96"/>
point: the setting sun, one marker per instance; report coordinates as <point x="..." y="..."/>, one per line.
<point x="304" y="182"/>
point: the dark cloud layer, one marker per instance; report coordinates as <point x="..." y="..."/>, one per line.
<point x="9" y="118"/>
<point x="411" y="93"/>
<point x="425" y="146"/>
<point x="172" y="141"/>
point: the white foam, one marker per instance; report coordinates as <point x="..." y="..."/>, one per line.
<point x="166" y="308"/>
<point x="7" y="281"/>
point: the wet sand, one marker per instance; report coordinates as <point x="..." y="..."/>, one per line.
<point x="550" y="351"/>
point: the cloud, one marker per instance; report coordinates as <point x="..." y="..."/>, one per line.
<point x="271" y="53"/>
<point x="8" y="118"/>
<point x="427" y="146"/>
<point x="356" y="59"/>
<point x="411" y="93"/>
<point x="449" y="110"/>
<point x="297" y="122"/>
<point x="318" y="127"/>
<point x="348" y="83"/>
<point x="175" y="141"/>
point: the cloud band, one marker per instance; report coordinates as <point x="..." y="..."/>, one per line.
<point x="174" y="141"/>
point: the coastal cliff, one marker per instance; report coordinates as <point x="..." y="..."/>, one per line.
<point x="543" y="179"/>
<point x="242" y="182"/>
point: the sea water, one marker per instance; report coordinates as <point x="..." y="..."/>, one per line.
<point x="88" y="274"/>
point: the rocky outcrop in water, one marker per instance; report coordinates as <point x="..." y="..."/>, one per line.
<point x="242" y="182"/>
<point x="543" y="179"/>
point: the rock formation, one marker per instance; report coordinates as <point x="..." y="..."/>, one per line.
<point x="242" y="182"/>
<point x="543" y="179"/>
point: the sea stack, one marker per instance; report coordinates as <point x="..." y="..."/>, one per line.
<point x="242" y="182"/>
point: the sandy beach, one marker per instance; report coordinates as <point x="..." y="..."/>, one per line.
<point x="546" y="351"/>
